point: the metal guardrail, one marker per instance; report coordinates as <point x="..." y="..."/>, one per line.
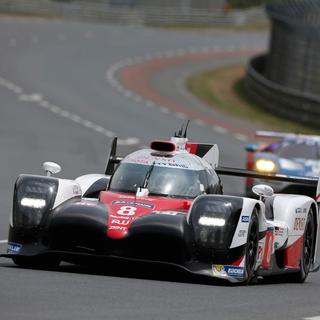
<point x="286" y="82"/>
<point x="280" y="100"/>
<point x="105" y="11"/>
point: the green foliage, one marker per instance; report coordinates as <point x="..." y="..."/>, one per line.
<point x="248" y="3"/>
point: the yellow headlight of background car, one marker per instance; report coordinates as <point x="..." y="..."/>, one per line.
<point x="264" y="165"/>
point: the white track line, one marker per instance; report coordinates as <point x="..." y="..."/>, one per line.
<point x="240" y="137"/>
<point x="39" y="100"/>
<point x="220" y="129"/>
<point x="3" y="241"/>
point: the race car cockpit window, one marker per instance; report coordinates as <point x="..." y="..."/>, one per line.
<point x="302" y="150"/>
<point x="161" y="181"/>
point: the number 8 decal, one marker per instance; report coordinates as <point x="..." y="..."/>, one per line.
<point x="127" y="211"/>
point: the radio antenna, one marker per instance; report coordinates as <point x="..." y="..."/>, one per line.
<point x="184" y="128"/>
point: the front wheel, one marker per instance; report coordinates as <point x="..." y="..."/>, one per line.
<point x="252" y="246"/>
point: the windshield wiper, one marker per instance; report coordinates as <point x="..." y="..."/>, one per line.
<point x="148" y="174"/>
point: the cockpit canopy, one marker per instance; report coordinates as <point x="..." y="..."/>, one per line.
<point x="180" y="176"/>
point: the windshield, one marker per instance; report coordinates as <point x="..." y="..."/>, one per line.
<point x="303" y="150"/>
<point x="161" y="181"/>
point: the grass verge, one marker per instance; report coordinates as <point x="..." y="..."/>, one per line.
<point x="223" y="89"/>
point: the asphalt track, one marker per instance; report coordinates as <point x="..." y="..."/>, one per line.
<point x="57" y="103"/>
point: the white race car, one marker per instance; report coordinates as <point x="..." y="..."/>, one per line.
<point x="165" y="204"/>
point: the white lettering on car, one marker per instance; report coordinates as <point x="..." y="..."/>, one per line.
<point x="127" y="211"/>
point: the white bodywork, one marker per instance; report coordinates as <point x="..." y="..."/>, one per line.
<point x="288" y="225"/>
<point x="86" y="181"/>
<point x="67" y="189"/>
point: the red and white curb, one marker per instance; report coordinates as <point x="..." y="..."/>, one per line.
<point x="115" y="69"/>
<point x="40" y="101"/>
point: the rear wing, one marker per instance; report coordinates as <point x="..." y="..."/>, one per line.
<point x="285" y="135"/>
<point x="304" y="181"/>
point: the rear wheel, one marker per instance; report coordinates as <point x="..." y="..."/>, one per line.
<point x="306" y="251"/>
<point x="36" y="262"/>
<point x="252" y="246"/>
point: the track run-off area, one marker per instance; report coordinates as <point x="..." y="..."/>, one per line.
<point x="66" y="89"/>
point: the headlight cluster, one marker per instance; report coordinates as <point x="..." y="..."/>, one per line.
<point x="33" y="196"/>
<point x="269" y="166"/>
<point x="264" y="165"/>
<point x="214" y="220"/>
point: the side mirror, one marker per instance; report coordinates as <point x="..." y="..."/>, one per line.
<point x="263" y="191"/>
<point x="251" y="147"/>
<point x="51" y="168"/>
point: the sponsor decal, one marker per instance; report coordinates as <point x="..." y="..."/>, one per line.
<point x="134" y="203"/>
<point x="242" y="233"/>
<point x="245" y="219"/>
<point x="120" y="222"/>
<point x="122" y="217"/>
<point x="299" y="224"/>
<point x="76" y="190"/>
<point x="118" y="228"/>
<point x="278" y="231"/>
<point x="13" y="247"/>
<point x="301" y="210"/>
<point x="231" y="271"/>
<point x="234" y="271"/>
<point x="217" y="268"/>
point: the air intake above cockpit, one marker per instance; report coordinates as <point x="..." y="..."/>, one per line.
<point x="164" y="146"/>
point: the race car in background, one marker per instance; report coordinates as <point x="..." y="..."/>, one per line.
<point x="291" y="154"/>
<point x="165" y="204"/>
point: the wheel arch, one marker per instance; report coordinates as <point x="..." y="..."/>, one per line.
<point x="313" y="207"/>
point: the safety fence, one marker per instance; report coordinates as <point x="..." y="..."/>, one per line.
<point x="287" y="80"/>
<point x="133" y="14"/>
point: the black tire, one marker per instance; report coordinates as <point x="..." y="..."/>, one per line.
<point x="36" y="262"/>
<point x="252" y="247"/>
<point x="306" y="251"/>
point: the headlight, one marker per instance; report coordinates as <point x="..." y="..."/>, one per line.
<point x="264" y="165"/>
<point x="33" y="203"/>
<point x="214" y="220"/>
<point x="33" y="197"/>
<point x="210" y="221"/>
